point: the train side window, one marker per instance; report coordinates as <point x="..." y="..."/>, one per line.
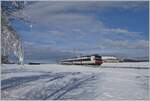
<point x="86" y="59"/>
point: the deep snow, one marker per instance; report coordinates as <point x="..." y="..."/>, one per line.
<point x="57" y="82"/>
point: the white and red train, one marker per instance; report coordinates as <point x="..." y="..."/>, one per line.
<point x="84" y="60"/>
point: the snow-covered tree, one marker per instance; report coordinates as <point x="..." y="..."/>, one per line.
<point x="10" y="40"/>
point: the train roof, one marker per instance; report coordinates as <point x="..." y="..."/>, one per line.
<point x="91" y="55"/>
<point x="109" y="57"/>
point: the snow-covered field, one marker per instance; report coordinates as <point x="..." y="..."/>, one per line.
<point x="62" y="82"/>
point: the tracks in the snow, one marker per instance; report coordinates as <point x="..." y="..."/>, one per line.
<point x="52" y="88"/>
<point x="73" y="84"/>
<point x="47" y="85"/>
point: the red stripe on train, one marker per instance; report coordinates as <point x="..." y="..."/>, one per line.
<point x="98" y="62"/>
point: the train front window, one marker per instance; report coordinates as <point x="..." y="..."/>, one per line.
<point x="98" y="58"/>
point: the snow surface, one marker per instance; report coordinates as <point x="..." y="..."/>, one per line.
<point x="70" y="82"/>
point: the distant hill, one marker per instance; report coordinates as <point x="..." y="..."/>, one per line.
<point x="135" y="60"/>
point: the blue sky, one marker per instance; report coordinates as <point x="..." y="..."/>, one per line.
<point x="60" y="29"/>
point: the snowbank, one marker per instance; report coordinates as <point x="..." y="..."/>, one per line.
<point x="138" y="65"/>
